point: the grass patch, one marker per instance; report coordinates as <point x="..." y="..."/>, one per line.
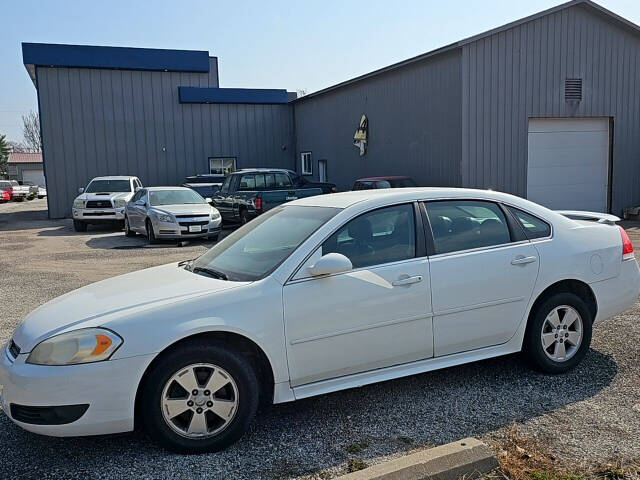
<point x="356" y="464"/>
<point x="357" y="447"/>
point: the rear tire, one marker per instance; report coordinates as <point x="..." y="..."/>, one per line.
<point x="79" y="226"/>
<point x="127" y="230"/>
<point x="241" y="391"/>
<point x="558" y="333"/>
<point x="151" y="236"/>
<point x="244" y="217"/>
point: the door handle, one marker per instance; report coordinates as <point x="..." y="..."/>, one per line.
<point x="520" y="260"/>
<point x="407" y="281"/>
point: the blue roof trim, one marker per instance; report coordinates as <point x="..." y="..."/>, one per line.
<point x="231" y="95"/>
<point x="90" y="56"/>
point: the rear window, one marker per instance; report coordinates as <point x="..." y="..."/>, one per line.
<point x="534" y="227"/>
<point x="401" y="183"/>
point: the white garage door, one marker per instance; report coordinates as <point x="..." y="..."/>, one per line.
<point x="35" y="176"/>
<point x="568" y="166"/>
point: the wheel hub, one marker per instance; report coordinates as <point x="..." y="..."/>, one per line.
<point x="561" y="334"/>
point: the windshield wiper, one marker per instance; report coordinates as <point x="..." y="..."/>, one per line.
<point x="211" y="272"/>
<point x="186" y="263"/>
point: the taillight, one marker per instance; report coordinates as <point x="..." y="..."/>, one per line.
<point x="627" y="246"/>
<point x="257" y="203"/>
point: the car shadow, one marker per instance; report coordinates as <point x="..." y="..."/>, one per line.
<point x="391" y="417"/>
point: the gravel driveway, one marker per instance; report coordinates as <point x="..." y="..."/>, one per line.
<point x="589" y="415"/>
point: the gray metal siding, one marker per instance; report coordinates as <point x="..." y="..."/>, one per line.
<point x="519" y="73"/>
<point x="414" y="125"/>
<point x="117" y="122"/>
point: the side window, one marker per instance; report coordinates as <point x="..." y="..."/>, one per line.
<point x="466" y="224"/>
<point x="225" y="186"/>
<point x="282" y="181"/>
<point x="247" y="182"/>
<point x="137" y="196"/>
<point x="259" y="182"/>
<point x="533" y="226"/>
<point x="381" y="236"/>
<point x="269" y="180"/>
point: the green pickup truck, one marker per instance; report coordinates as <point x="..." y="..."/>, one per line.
<point x="245" y="194"/>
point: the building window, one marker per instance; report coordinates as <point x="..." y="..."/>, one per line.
<point x="222" y="165"/>
<point x="307" y="166"/>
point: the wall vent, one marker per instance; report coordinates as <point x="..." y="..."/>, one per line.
<point x="573" y="89"/>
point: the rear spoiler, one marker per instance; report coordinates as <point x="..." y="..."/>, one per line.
<point x="592" y="216"/>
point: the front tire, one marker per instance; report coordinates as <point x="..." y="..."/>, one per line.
<point x="127" y="229"/>
<point x="558" y="334"/>
<point x="79" y="226"/>
<point x="200" y="397"/>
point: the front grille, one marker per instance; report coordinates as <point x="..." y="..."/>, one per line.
<point x="186" y="224"/>
<point x="97" y="214"/>
<point x="99" y="204"/>
<point x="14" y="349"/>
<point x="192" y="216"/>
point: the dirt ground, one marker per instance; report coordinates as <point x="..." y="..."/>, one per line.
<point x="583" y="423"/>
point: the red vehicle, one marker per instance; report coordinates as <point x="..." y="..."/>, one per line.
<point x="6" y="190"/>
<point x="5" y="196"/>
<point x="370" y="183"/>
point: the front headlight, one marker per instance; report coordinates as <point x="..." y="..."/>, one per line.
<point x="80" y="346"/>
<point x="78" y="203"/>
<point x="215" y="214"/>
<point x="164" y="218"/>
<point x="119" y="202"/>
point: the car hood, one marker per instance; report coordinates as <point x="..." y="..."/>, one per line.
<point x="100" y="302"/>
<point x="105" y="196"/>
<point x="184" y="209"/>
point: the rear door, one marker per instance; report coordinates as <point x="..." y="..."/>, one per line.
<point x="483" y="271"/>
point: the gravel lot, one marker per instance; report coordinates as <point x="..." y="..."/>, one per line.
<point x="590" y="415"/>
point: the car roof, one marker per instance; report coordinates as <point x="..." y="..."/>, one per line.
<point x="114" y="177"/>
<point x="387" y="196"/>
<point x="263" y="170"/>
<point x="157" y="189"/>
<point x="390" y="177"/>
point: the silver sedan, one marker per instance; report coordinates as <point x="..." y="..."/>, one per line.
<point x="171" y="213"/>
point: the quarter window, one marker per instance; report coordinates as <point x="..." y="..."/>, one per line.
<point x="466" y="224"/>
<point x="381" y="236"/>
<point x="533" y="226"/>
<point x="307" y="165"/>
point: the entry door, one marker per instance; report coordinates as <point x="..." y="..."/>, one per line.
<point x="375" y="316"/>
<point x="322" y="170"/>
<point x="481" y="279"/>
<point x="568" y="163"/>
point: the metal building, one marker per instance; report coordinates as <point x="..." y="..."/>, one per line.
<point x="547" y="107"/>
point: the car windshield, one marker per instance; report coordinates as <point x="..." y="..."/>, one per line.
<point x="109" y="186"/>
<point x="255" y="250"/>
<point x="398" y="183"/>
<point x="174" y="197"/>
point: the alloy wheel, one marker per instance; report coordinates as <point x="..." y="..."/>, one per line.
<point x="562" y="333"/>
<point x="199" y="401"/>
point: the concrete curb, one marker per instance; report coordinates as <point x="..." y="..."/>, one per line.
<point x="468" y="457"/>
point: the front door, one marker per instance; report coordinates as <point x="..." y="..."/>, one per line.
<point x="375" y="316"/>
<point x="482" y="275"/>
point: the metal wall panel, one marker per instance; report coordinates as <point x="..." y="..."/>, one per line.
<point x="414" y="125"/>
<point x="124" y="122"/>
<point x="518" y="74"/>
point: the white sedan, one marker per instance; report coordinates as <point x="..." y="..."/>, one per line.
<point x="317" y="295"/>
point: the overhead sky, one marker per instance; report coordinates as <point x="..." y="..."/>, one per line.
<point x="294" y="45"/>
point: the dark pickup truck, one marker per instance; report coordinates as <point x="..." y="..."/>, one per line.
<point x="247" y="193"/>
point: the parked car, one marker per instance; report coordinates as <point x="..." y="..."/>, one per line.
<point x="170" y="212"/>
<point x="371" y="183"/>
<point x="18" y="192"/>
<point x="247" y="193"/>
<point x="318" y="295"/>
<point x="33" y="189"/>
<point x="7" y="186"/>
<point x="206" y="190"/>
<point x="299" y="181"/>
<point x="42" y="191"/>
<point x="5" y="196"/>
<point x="103" y="201"/>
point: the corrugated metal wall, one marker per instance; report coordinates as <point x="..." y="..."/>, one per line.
<point x="518" y="74"/>
<point x="414" y="125"/>
<point x="122" y="122"/>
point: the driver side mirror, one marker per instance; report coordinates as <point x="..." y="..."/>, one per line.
<point x="81" y="190"/>
<point x="208" y="200"/>
<point x="330" y="263"/>
<point x="142" y="203"/>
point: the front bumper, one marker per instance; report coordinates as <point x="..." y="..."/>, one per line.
<point x="109" y="388"/>
<point x="183" y="229"/>
<point x="97" y="215"/>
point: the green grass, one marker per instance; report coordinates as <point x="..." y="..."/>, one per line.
<point x="356" y="464"/>
<point x="357" y="447"/>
